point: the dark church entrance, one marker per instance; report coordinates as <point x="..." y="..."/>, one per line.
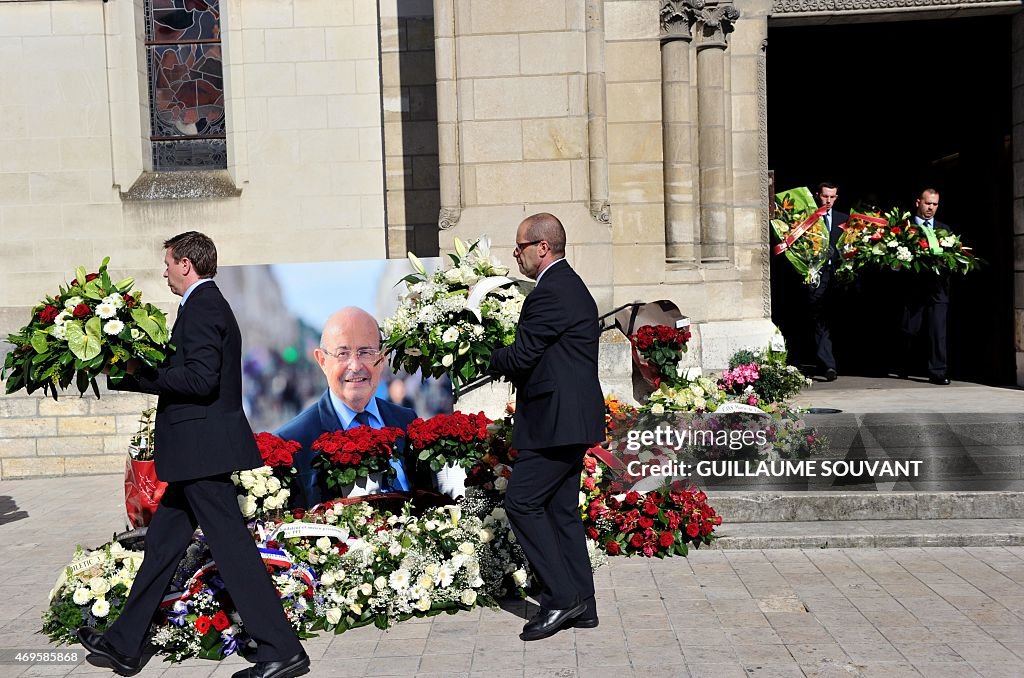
<point x="882" y="110"/>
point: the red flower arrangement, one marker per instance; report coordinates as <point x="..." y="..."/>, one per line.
<point x="455" y="438"/>
<point x="653" y="523"/>
<point x="276" y="452"/>
<point x="662" y="347"/>
<point x="355" y="453"/>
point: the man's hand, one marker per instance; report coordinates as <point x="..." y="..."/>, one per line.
<point x="132" y="366"/>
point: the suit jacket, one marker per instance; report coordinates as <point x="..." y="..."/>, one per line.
<point x="553" y="365"/>
<point x="201" y="430"/>
<point x="838" y="219"/>
<point x="320" y="418"/>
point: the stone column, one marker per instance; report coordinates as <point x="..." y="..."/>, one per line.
<point x="597" y="113"/>
<point x="713" y="23"/>
<point x="677" y="133"/>
<point x="450" y="173"/>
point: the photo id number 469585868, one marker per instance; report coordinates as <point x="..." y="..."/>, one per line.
<point x="16" y="656"/>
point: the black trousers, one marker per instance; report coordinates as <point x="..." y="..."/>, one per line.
<point x="820" y="300"/>
<point x="211" y="504"/>
<point x="925" y="309"/>
<point x="543" y="506"/>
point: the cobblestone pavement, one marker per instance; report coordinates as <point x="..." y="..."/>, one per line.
<point x="811" y="612"/>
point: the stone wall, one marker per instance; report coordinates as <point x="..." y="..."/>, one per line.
<point x="305" y="142"/>
<point x="70" y="436"/>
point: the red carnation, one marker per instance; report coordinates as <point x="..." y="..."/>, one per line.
<point x="692" y="528"/>
<point x="589" y="484"/>
<point x="650" y="508"/>
<point x="591" y="533"/>
<point x="341" y="548"/>
<point x="612" y="547"/>
<point x="82" y="311"/>
<point x="220" y="621"/>
<point x="632" y="497"/>
<point x="666" y="539"/>
<point x="637" y="540"/>
<point x="203" y="624"/>
<point x="47" y="314"/>
<point x="646" y="522"/>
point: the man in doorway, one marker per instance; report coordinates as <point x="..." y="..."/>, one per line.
<point x="350" y="357"/>
<point x="926" y="299"/>
<point x="821" y="298"/>
<point x="202" y="436"/>
<point x="559" y="414"/>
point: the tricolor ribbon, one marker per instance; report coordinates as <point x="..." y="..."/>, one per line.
<point x="799" y="230"/>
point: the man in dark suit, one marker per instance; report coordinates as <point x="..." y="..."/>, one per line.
<point x="821" y="298"/>
<point x="349" y="355"/>
<point x="926" y="298"/>
<point x="201" y="437"/>
<point x="559" y="414"/>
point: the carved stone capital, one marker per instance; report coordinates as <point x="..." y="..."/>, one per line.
<point x="448" y="217"/>
<point x="677" y="18"/>
<point x="714" y="21"/>
<point x="601" y="211"/>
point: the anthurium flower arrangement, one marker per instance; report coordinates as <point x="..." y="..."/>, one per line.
<point x="91" y="324"/>
<point x="893" y="241"/>
<point x="447" y="439"/>
<point x="442" y="327"/>
<point x="355" y="453"/>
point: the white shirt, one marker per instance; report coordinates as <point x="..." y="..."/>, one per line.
<point x="548" y="268"/>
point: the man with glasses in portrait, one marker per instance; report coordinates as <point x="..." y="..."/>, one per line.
<point x="350" y="357"/>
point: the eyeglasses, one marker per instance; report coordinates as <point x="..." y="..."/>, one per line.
<point x="520" y="246"/>
<point x="367" y="356"/>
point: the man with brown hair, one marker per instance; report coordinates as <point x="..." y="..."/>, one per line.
<point x="202" y="436"/>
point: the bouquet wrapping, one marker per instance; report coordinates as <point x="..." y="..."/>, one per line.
<point x="801" y="233"/>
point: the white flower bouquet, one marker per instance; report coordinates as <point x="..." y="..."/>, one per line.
<point x="450" y="321"/>
<point x="90" y="591"/>
<point x="698" y="395"/>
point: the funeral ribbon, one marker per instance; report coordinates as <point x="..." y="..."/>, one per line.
<point x="799" y="230"/>
<point x="275" y="557"/>
<point x="933" y="243"/>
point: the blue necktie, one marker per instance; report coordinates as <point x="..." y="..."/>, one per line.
<point x="400" y="483"/>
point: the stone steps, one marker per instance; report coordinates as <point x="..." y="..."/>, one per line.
<point x="807" y="507"/>
<point x="871" y="534"/>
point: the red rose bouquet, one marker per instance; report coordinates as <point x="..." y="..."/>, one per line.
<point x="662" y="347"/>
<point x="355" y="453"/>
<point x="661" y="523"/>
<point x="449" y="439"/>
<point x="90" y="324"/>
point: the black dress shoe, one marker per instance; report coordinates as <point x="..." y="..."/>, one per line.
<point x="939" y="381"/>
<point x="103" y="654"/>
<point x="288" y="668"/>
<point x="585" y="622"/>
<point x="549" y="622"/>
<point x="831" y="375"/>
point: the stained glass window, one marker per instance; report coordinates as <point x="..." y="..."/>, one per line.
<point x="186" y="84"/>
